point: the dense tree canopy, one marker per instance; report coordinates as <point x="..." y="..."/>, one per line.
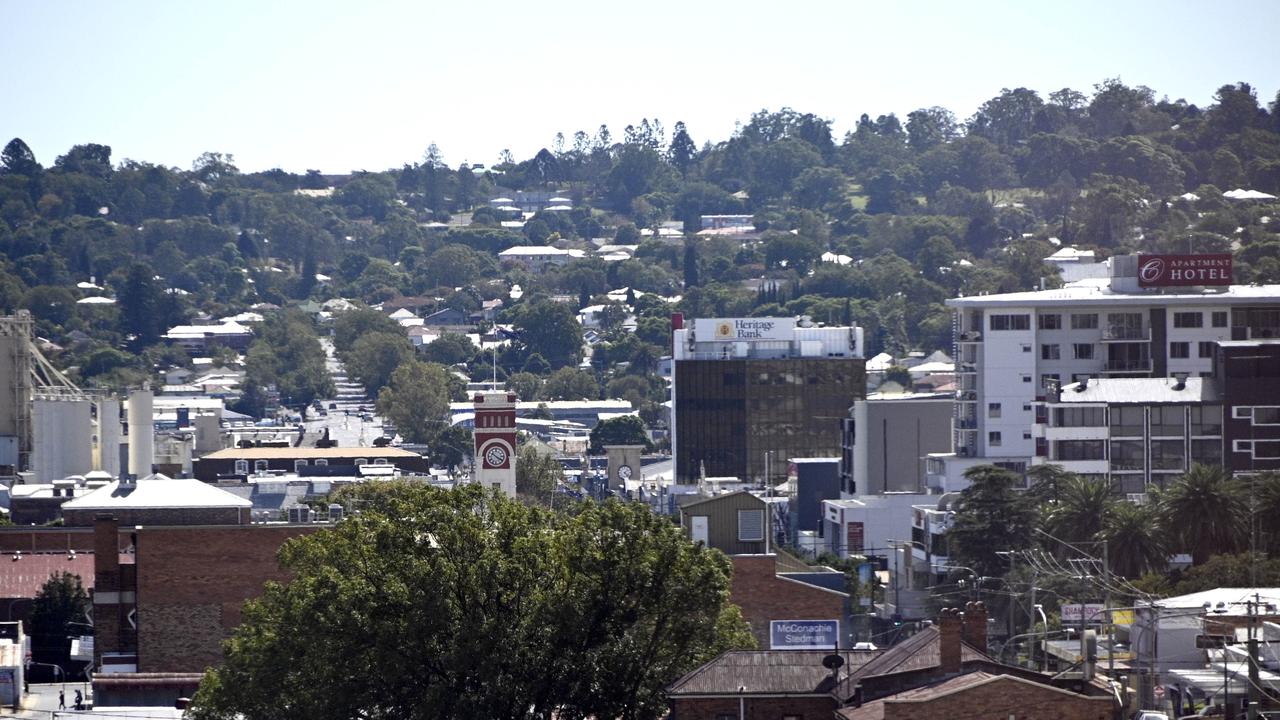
<point x="457" y="604"/>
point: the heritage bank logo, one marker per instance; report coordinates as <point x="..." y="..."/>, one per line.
<point x="744" y="329"/>
<point x="1182" y="270"/>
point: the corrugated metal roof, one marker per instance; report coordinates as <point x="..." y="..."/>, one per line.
<point x="301" y="453"/>
<point x="766" y="671"/>
<point x="156" y="491"/>
<point x="24" y="576"/>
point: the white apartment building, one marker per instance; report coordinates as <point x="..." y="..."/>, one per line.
<point x="1010" y="347"/>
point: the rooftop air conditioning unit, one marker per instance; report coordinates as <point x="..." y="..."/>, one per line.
<point x="335" y="512"/>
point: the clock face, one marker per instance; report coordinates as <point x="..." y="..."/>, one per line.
<point x="495" y="456"/>
<point x="624" y="472"/>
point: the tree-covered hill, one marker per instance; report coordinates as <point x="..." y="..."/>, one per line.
<point x="925" y="207"/>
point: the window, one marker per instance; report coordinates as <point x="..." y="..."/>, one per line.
<point x="1168" y="421"/>
<point x="1079" y="417"/>
<point x="1206" y="452"/>
<point x="1081" y="450"/>
<point x="1167" y="455"/>
<point x="1188" y="320"/>
<point x="1049" y="380"/>
<point x="1026" y="347"/>
<point x="242" y="467"/>
<point x="1266" y="416"/>
<point x="1050" y="352"/>
<point x="1206" y="349"/>
<point x="1180" y="350"/>
<point x="259" y="465"/>
<point x="1126" y="422"/>
<point x="1026" y="407"/>
<point x="1219" y="319"/>
<point x="993" y="410"/>
<point x="1242" y="413"/>
<point x="1084" y="321"/>
<point x="1124" y="326"/>
<point x="1127" y="455"/>
<point x="993" y="438"/>
<point x="1206" y="419"/>
<point x="1026" y="435"/>
<point x="751" y="525"/>
<point x="1082" y="351"/>
<point x="298" y="465"/>
<point x="1050" y="322"/>
<point x="362" y="461"/>
<point x="1010" y="322"/>
<point x="1026" y="378"/>
<point x="322" y="462"/>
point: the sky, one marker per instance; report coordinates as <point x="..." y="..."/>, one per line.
<point x="342" y="86"/>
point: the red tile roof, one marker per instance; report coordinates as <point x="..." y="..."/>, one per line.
<point x="21" y="576"/>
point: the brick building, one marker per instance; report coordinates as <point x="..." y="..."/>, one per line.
<point x="939" y="672"/>
<point x="168" y="605"/>
<point x="764" y="596"/>
<point x="982" y="694"/>
<point x="158" y="500"/>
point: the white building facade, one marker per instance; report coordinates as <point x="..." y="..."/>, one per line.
<point x="1010" y="348"/>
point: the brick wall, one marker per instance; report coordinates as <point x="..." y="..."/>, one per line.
<point x="763" y="596"/>
<point x="1001" y="699"/>
<point x="53" y="539"/>
<point x="163" y="516"/>
<point x="771" y="708"/>
<point x="192" y="582"/>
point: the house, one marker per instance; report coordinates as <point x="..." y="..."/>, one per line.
<point x="448" y="317"/>
<point x="737" y="523"/>
<point x="940" y="672"/>
<point x="539" y="257"/>
<point x="199" y="338"/>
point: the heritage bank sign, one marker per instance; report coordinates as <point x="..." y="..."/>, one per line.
<point x="731" y="329"/>
<point x="1178" y="270"/>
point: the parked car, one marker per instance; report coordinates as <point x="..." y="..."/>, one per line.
<point x="1150" y="715"/>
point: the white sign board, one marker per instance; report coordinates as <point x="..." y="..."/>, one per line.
<point x="803" y="634"/>
<point x="1089" y="613"/>
<point x="735" y="329"/>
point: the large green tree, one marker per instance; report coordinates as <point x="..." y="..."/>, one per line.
<point x="439" y="604"/>
<point x="991" y="516"/>
<point x="416" y="400"/>
<point x="60" y="610"/>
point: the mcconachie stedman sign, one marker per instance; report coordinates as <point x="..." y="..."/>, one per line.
<point x="803" y="634"/>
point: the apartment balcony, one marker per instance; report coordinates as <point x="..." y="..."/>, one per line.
<point x="1127" y="366"/>
<point x="972" y="336"/>
<point x="966" y="424"/>
<point x="967" y="396"/>
<point x="1120" y="333"/>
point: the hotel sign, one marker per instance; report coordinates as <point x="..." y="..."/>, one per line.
<point x="1176" y="270"/>
<point x="732" y="329"/>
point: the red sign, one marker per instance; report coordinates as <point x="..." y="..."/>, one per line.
<point x="1175" y="270"/>
<point x="856" y="537"/>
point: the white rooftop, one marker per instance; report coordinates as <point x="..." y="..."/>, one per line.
<point x="1097" y="291"/>
<point x="1235" y="599"/>
<point x="156" y="491"/>
<point x="1140" y="390"/>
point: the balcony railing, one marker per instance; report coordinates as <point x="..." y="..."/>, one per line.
<point x="1127" y="366"/>
<point x="971" y="336"/>
<point x="1124" y="333"/>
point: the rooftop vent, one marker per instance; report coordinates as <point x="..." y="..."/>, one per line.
<point x="1181" y="380"/>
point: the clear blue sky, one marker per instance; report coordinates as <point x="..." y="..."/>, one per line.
<point x="340" y="86"/>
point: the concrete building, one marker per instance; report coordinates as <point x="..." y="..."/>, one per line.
<point x="1154" y="316"/>
<point x="748" y="393"/>
<point x="886" y="437"/>
<point x="1138" y="432"/>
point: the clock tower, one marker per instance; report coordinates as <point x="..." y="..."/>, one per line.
<point x="495" y="436"/>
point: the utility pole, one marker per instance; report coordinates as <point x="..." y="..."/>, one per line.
<point x="1106" y="611"/>
<point x="1255" y="698"/>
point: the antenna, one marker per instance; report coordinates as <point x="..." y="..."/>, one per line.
<point x="495" y="367"/>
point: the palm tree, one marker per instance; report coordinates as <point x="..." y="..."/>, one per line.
<point x="1205" y="512"/>
<point x="1264" y="501"/>
<point x="1080" y="509"/>
<point x="1135" y="540"/>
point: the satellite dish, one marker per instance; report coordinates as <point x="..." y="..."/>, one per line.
<point x="831" y="662"/>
